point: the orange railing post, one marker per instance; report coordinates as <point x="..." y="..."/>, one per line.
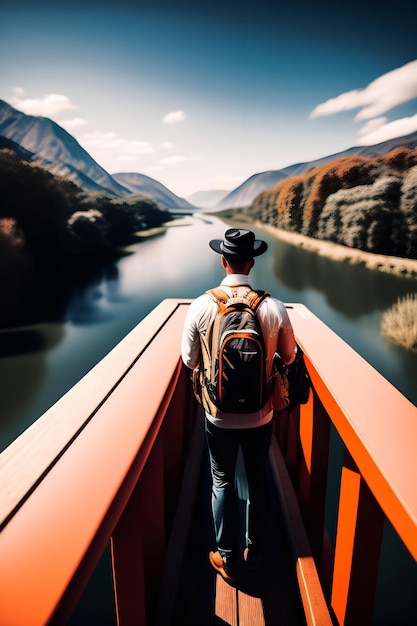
<point x="358" y="545"/>
<point x="315" y="440"/>
<point x="128" y="563"/>
<point x="138" y="545"/>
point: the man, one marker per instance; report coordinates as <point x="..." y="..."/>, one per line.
<point x="226" y="432"/>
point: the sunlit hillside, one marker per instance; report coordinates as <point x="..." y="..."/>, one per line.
<point x="369" y="203"/>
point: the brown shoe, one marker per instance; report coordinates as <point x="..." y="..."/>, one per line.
<point x="222" y="566"/>
<point x="252" y="557"/>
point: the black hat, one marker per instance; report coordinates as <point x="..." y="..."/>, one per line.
<point x="239" y="242"/>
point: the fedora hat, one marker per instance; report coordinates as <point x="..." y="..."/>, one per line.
<point x="239" y="242"/>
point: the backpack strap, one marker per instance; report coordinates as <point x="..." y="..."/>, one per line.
<point x="219" y="295"/>
<point x="253" y="297"/>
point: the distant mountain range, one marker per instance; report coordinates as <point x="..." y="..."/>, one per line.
<point x="141" y="185"/>
<point x="207" y="199"/>
<point x="40" y="140"/>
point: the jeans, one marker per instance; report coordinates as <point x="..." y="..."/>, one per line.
<point x="223" y="447"/>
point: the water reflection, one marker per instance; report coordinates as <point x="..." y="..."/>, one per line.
<point x="97" y="301"/>
<point x="21" y="341"/>
<point x="349" y="288"/>
<point x="23" y="369"/>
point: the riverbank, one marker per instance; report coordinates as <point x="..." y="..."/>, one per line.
<point x="407" y="268"/>
<point x="380" y="262"/>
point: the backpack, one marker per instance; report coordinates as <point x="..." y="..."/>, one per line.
<point x="232" y="375"/>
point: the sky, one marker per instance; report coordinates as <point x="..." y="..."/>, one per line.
<point x="202" y="95"/>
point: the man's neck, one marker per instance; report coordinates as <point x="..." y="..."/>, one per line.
<point x="235" y="279"/>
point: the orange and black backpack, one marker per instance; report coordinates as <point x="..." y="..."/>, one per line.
<point x="232" y="374"/>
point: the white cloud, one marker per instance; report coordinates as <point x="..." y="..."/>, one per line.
<point x="111" y="142"/>
<point x="380" y="96"/>
<point x="126" y="157"/>
<point x="132" y="146"/>
<point x="18" y="90"/>
<point x="174" y="117"/>
<point x="76" y="122"/>
<point x="48" y="105"/>
<point x="378" y="130"/>
<point x="172" y="159"/>
<point x="373" y="125"/>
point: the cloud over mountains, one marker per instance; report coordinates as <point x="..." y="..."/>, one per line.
<point x="381" y="95"/>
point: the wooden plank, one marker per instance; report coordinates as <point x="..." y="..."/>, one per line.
<point x="250" y="610"/>
<point x="314" y="603"/>
<point x="177" y="545"/>
<point x="226" y="602"/>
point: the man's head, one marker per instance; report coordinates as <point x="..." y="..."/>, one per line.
<point x="239" y="243"/>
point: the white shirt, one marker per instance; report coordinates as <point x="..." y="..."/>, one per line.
<point x="276" y="330"/>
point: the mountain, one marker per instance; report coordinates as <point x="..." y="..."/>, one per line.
<point x="256" y="184"/>
<point x="141" y="185"/>
<point x="56" y="150"/>
<point x="252" y="187"/>
<point x="207" y="199"/>
<point x="24" y="155"/>
<point x="42" y="141"/>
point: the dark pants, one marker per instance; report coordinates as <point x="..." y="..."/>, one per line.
<point x="223" y="446"/>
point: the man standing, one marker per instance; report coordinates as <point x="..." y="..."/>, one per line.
<point x="227" y="432"/>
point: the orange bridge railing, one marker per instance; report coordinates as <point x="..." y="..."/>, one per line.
<point x="105" y="463"/>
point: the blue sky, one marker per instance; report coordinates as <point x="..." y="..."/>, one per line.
<point x="201" y="95"/>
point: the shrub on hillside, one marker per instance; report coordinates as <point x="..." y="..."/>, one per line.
<point x="89" y="230"/>
<point x="39" y="202"/>
<point x="343" y="173"/>
<point x="408" y="207"/>
<point x="57" y="219"/>
<point x="52" y="234"/>
<point x="289" y="204"/>
<point x="263" y="208"/>
<point x="365" y="217"/>
<point x="399" y="323"/>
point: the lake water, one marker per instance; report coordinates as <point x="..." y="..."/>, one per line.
<point x="44" y="361"/>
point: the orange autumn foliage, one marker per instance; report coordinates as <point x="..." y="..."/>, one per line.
<point x="296" y="203"/>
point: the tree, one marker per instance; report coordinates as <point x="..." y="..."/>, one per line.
<point x="290" y="204"/>
<point x="408" y="211"/>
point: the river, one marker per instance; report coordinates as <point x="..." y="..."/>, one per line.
<point x="45" y="360"/>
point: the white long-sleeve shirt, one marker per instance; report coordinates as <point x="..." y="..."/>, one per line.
<point x="276" y="330"/>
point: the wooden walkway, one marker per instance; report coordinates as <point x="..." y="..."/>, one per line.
<point x="195" y="595"/>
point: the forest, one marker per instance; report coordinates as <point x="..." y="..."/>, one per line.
<point x="368" y="203"/>
<point x="53" y="234"/>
